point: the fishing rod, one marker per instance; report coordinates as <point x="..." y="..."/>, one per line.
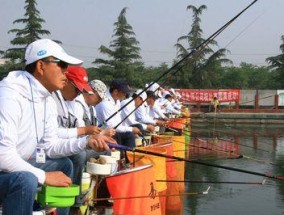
<point x="143" y="101"/>
<point x="232" y="142"/>
<point x="213" y="182"/>
<point x="126" y="148"/>
<point x="193" y="51"/>
<point x="228" y="140"/>
<point x="238" y="156"/>
<point x="159" y="195"/>
<point x="231" y="152"/>
<point x="222" y="149"/>
<point x="190" y="135"/>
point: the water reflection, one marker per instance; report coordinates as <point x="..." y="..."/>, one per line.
<point x="263" y="150"/>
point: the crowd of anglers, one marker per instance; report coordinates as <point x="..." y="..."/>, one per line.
<point x="52" y="121"/>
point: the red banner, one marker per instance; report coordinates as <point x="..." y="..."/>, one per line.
<point x="205" y="96"/>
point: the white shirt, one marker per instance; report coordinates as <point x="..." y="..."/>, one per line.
<point x="170" y="109"/>
<point x="19" y="123"/>
<point x="67" y="121"/>
<point x="83" y="112"/>
<point x="81" y="109"/>
<point x="143" y="115"/>
<point x="131" y="118"/>
<point x="159" y="109"/>
<point x="106" y="108"/>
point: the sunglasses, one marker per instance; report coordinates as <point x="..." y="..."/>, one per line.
<point x="60" y="63"/>
<point x="78" y="92"/>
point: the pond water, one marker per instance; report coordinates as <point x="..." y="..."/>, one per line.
<point x="262" y="148"/>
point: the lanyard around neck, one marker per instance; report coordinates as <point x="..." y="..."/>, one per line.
<point x="43" y="134"/>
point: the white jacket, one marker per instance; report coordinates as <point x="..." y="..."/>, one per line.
<point x="17" y="124"/>
<point x="106" y="108"/>
<point x="130" y="118"/>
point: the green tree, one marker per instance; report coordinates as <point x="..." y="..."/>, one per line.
<point x="277" y="66"/>
<point x="246" y="76"/>
<point x="31" y="32"/>
<point x="123" y="53"/>
<point x="202" y="70"/>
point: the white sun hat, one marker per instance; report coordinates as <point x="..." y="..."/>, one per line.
<point x="43" y="48"/>
<point x="142" y="95"/>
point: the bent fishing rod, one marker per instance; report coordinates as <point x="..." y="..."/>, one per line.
<point x="213" y="182"/>
<point x="205" y="192"/>
<point x="126" y="148"/>
<point x="231" y="153"/>
<point x="192" y="132"/>
<point x="192" y="52"/>
<point x="232" y="142"/>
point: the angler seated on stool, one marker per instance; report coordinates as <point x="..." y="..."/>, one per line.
<point x="31" y="152"/>
<point x="108" y="113"/>
<point x="69" y="123"/>
<point x="146" y="113"/>
<point x="128" y="113"/>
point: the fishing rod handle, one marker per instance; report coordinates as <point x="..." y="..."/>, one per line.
<point x="120" y="147"/>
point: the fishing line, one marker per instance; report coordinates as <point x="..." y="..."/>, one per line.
<point x="252" y="22"/>
<point x="125" y="148"/>
<point x="192" y="52"/>
<point x="229" y="140"/>
<point x="213" y="182"/>
<point x="232" y="142"/>
<point x="160" y="195"/>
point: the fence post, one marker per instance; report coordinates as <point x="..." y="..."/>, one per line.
<point x="237" y="105"/>
<point x="256" y="101"/>
<point x="276" y="100"/>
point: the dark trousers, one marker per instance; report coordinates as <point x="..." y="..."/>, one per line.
<point x="140" y="127"/>
<point x="125" y="139"/>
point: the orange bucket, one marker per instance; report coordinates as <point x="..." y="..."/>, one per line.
<point x="159" y="163"/>
<point x="134" y="191"/>
<point x="177" y="123"/>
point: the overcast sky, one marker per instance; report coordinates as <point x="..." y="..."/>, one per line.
<point x="84" y="25"/>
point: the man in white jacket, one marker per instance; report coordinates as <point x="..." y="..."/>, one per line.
<point x="28" y="129"/>
<point x="128" y="113"/>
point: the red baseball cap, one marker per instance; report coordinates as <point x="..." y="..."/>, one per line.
<point x="79" y="76"/>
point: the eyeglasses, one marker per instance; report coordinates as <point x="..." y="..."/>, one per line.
<point x="60" y="63"/>
<point x="78" y="92"/>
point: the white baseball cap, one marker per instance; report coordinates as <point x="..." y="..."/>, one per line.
<point x="142" y="95"/>
<point x="165" y="93"/>
<point x="154" y="87"/>
<point x="43" y="48"/>
<point x="172" y="91"/>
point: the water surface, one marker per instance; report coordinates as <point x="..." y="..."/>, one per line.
<point x="264" y="145"/>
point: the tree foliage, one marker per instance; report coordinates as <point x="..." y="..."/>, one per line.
<point x="277" y="66"/>
<point x="123" y="52"/>
<point x="202" y="69"/>
<point x="207" y="69"/>
<point x="246" y="76"/>
<point x="24" y="36"/>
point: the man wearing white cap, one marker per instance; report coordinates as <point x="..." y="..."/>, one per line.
<point x="128" y="112"/>
<point x="28" y="129"/>
<point x="146" y="113"/>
